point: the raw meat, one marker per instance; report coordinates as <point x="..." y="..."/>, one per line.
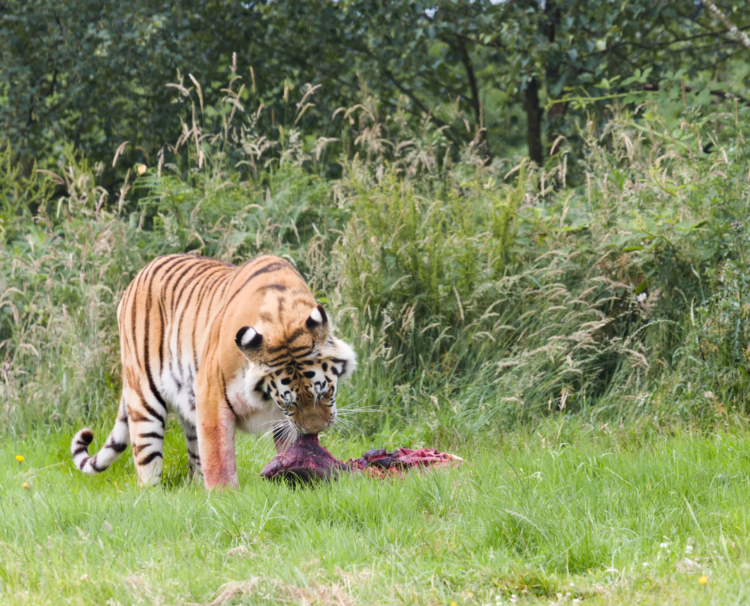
<point x="379" y="463"/>
<point x="307" y="460"/>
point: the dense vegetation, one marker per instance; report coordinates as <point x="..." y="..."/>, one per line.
<point x="92" y="73"/>
<point x="610" y="282"/>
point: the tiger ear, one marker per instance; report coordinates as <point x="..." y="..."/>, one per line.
<point x="317" y="322"/>
<point x="250" y="343"/>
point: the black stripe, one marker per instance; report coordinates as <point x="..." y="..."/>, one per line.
<point x="272" y="267"/>
<point x="150" y="457"/>
<point x="275" y="361"/>
<point x="160" y="262"/>
<point x="255" y="260"/>
<point x="183" y="273"/>
<point x="139" y="418"/>
<point x="293" y="337"/>
<point x="226" y="399"/>
<point x="143" y="276"/>
<point x="294" y="350"/>
<point x="190" y="260"/>
<point x="79" y="450"/>
<point x="134" y="315"/>
<point x="193" y="278"/>
<point x="94" y="466"/>
<point x="148" y="408"/>
<point x="151" y="434"/>
<point x="177" y="382"/>
<point x="153" y="412"/>
<point x="176" y="308"/>
<point x="147" y="361"/>
<point x="161" y="337"/>
<point x="205" y="286"/>
<point x="214" y="291"/>
<point x="279" y="287"/>
<point x="118" y="446"/>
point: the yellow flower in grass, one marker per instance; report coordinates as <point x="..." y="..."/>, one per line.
<point x="703" y="580"/>
<point x="25" y="485"/>
<point x="19" y="458"/>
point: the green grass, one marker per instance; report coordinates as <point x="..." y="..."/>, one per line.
<point x="566" y="509"/>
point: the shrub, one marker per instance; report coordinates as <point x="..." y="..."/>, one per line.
<point x="477" y="295"/>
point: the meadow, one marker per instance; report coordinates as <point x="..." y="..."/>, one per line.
<point x="577" y="333"/>
<point x="565" y="514"/>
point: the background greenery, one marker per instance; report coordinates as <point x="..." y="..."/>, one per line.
<point x="610" y="282"/>
<point x="92" y="73"/>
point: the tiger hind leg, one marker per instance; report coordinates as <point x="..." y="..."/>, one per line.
<point x="147" y="425"/>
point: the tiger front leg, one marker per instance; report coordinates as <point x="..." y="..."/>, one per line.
<point x="191" y="440"/>
<point x="216" y="428"/>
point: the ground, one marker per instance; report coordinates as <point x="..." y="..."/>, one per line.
<point x="563" y="514"/>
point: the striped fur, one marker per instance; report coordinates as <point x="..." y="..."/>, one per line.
<point x="226" y="348"/>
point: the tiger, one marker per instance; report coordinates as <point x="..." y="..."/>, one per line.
<point x="227" y="348"/>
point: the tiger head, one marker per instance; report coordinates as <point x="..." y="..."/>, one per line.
<point x="299" y="367"/>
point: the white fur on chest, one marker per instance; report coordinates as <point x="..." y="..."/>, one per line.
<point x="256" y="414"/>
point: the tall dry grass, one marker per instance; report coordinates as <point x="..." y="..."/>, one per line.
<point x="478" y="296"/>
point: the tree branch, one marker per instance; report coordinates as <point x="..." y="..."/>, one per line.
<point x="733" y="29"/>
<point x="475" y="101"/>
<point x="715" y="92"/>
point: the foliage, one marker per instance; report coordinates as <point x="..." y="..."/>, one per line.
<point x="717" y="348"/>
<point x="92" y="74"/>
<point x="479" y="295"/>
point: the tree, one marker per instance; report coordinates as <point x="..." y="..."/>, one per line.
<point x="93" y="73"/>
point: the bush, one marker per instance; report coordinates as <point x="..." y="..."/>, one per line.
<point x="477" y="295"/>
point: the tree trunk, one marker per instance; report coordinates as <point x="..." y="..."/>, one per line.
<point x="534" y="115"/>
<point x="552" y="72"/>
<point x="476" y="103"/>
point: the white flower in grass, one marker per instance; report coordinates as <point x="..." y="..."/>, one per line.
<point x="689" y="549"/>
<point x="642" y="297"/>
<point x="663" y="545"/>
